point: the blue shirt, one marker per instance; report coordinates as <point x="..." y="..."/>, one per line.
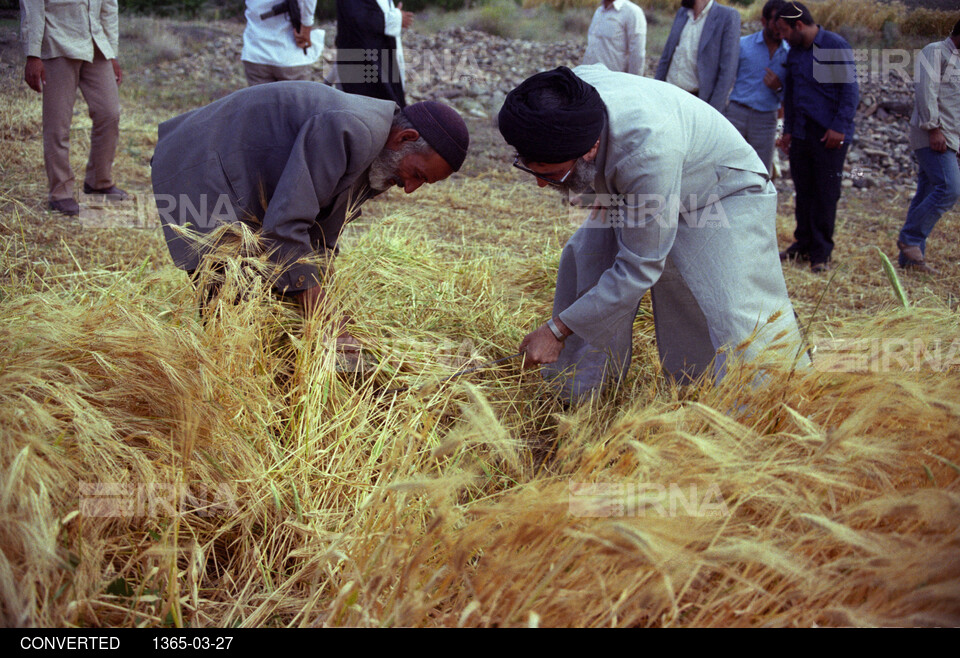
<point x="820" y="89"/>
<point x="755" y="58"/>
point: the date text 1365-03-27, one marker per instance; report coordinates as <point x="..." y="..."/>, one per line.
<point x="195" y="642"/>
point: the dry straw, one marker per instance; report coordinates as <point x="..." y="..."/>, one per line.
<point x="828" y="498"/>
<point x="156" y="470"/>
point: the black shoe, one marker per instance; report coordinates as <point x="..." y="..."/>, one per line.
<point x="794" y="253"/>
<point x="112" y="193"/>
<point x="817" y="268"/>
<point x="68" y="207"/>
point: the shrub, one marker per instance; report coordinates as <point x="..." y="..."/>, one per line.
<point x="327" y="9"/>
<point x="191" y="8"/>
<point x="576" y="22"/>
<point x="499" y="18"/>
<point x="928" y="22"/>
<point x="150" y="39"/>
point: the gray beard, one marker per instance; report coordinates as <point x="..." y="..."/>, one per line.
<point x="580" y="180"/>
<point x="383" y="170"/>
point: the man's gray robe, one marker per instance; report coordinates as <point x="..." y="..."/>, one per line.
<point x="287" y="157"/>
<point x="691" y="215"/>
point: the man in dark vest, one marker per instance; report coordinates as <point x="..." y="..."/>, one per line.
<point x="369" y="52"/>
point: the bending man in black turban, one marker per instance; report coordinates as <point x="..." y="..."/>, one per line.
<point x="651" y="154"/>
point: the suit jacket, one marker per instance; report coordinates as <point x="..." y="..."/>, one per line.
<point x="288" y="158"/>
<point x="717" y="55"/>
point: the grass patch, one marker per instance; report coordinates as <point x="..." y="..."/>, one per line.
<point x="149" y="40"/>
<point x="507" y="19"/>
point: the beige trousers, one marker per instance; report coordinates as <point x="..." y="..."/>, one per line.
<point x="98" y="84"/>
<point x="258" y="74"/>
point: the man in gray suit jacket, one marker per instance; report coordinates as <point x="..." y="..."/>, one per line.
<point x="703" y="50"/>
<point x="294" y="160"/>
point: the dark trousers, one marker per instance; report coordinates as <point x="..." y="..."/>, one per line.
<point x="817" y="174"/>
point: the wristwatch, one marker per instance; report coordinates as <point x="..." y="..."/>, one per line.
<point x="555" y="329"/>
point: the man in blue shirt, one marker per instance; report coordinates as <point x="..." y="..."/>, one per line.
<point x="820" y="99"/>
<point x="757" y="93"/>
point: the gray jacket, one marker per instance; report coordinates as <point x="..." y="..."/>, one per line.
<point x="718" y="54"/>
<point x="684" y="207"/>
<point x="286" y="157"/>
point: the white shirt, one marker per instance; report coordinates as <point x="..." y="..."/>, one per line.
<point x="270" y="41"/>
<point x="393" y="26"/>
<point x="683" y="66"/>
<point x="617" y="38"/>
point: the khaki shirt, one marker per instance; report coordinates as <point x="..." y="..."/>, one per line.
<point x="69" y="28"/>
<point x="936" y="81"/>
<point x="618" y="38"/>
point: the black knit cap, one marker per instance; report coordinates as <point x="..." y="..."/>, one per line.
<point x="443" y="129"/>
<point x="552" y="117"/>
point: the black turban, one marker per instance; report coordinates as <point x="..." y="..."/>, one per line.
<point x="552" y="117"/>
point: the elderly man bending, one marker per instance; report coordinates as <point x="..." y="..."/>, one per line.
<point x="683" y="208"/>
<point x="295" y="160"/>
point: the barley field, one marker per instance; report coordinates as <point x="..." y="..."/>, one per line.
<point x="156" y="470"/>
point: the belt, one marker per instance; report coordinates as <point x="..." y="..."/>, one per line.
<point x="752" y="109"/>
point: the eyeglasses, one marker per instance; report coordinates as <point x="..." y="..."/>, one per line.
<point x="550" y="181"/>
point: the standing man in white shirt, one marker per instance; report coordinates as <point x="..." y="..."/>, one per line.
<point x="369" y="49"/>
<point x="618" y="37"/>
<point x="73" y="44"/>
<point x="703" y="50"/>
<point x="935" y="138"/>
<point x="273" y="50"/>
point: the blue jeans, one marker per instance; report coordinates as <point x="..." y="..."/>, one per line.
<point x="938" y="188"/>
